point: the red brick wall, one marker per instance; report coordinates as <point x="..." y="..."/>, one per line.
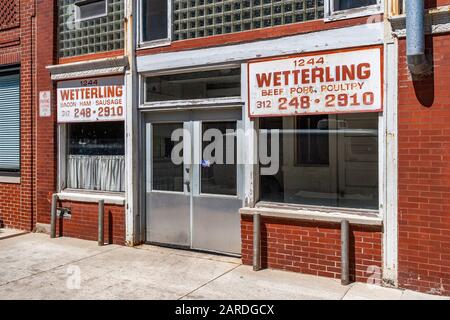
<point x="84" y="222"/>
<point x="314" y="248"/>
<point x="424" y="173"/>
<point x="436" y="3"/>
<point x="45" y="129"/>
<point x="16" y="46"/>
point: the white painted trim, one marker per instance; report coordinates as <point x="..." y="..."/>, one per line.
<point x="77" y="12"/>
<point x="356" y="36"/>
<point x="231" y="101"/>
<point x="332" y="15"/>
<point x="120" y="61"/>
<point x="155" y="43"/>
<point x="9" y="180"/>
<point x="91" y="68"/>
<point x="390" y="235"/>
<point x="311" y="215"/>
<point x="88" y="73"/>
<point x="202" y="68"/>
<point x="133" y="219"/>
<point x="61" y="157"/>
<point x="91" y="197"/>
<point x="250" y="144"/>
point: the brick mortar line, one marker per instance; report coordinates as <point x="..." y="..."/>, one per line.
<point x="54" y="268"/>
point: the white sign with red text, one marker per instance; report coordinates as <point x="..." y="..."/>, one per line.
<point x="340" y="82"/>
<point x="45" y="104"/>
<point x="91" y="100"/>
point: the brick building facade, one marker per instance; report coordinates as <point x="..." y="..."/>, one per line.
<point x="400" y="223"/>
<point x="424" y="173"/>
<point x="17" y="49"/>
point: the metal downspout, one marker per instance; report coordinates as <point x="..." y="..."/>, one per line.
<point x="415" y="38"/>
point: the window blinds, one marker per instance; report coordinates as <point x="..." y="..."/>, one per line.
<point x="9" y="121"/>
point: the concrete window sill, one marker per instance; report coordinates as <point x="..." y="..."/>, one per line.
<point x="116" y="199"/>
<point x="10" y="180"/>
<point x="358" y="217"/>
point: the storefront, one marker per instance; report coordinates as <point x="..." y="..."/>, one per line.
<point x="308" y="133"/>
<point x="91" y="117"/>
<point x="91" y="151"/>
<point x="324" y="109"/>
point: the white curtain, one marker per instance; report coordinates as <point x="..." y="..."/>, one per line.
<point x="103" y="173"/>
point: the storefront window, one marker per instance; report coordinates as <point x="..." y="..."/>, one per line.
<point x="96" y="156"/>
<point x="194" y="85"/>
<point x="326" y="160"/>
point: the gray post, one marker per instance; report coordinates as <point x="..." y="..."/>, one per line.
<point x="256" y="242"/>
<point x="53" y="216"/>
<point x="101" y="214"/>
<point x="345" y="263"/>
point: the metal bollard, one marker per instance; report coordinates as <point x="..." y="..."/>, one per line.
<point x="256" y="242"/>
<point x="345" y="263"/>
<point x="53" y="216"/>
<point x="101" y="214"/>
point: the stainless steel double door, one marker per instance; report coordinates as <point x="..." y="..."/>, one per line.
<point x="194" y="180"/>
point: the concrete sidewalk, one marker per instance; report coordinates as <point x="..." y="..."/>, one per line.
<point x="6" y="233"/>
<point x="33" y="266"/>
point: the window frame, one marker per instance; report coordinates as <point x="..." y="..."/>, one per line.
<point x="235" y="100"/>
<point x="83" y="2"/>
<point x="13" y="176"/>
<point x="62" y="153"/>
<point x="331" y="14"/>
<point x="140" y="34"/>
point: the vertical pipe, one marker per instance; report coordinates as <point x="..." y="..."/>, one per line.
<point x="415" y="27"/>
<point x="415" y="38"/>
<point x="101" y="214"/>
<point x="345" y="263"/>
<point x="256" y="242"/>
<point x="53" y="216"/>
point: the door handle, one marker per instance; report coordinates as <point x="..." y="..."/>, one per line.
<point x="188" y="185"/>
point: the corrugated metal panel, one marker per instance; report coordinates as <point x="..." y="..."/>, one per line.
<point x="9" y="122"/>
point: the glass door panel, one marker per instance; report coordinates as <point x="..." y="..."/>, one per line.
<point x="218" y="168"/>
<point x="166" y="175"/>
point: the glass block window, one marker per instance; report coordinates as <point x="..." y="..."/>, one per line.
<point x="200" y="18"/>
<point x="100" y="34"/>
